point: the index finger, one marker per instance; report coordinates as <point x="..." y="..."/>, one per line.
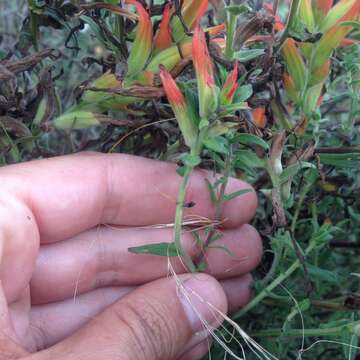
<point x="72" y="193"/>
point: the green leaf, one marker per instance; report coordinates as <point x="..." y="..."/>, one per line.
<point x="349" y="160"/>
<point x="243" y="93"/>
<point x="203" y="123"/>
<point x="323" y="275"/>
<point x="223" y="248"/>
<point x="76" y="120"/>
<point x="226" y="110"/>
<point x="336" y="13"/>
<point x="294" y="63"/>
<point x="160" y="249"/>
<point x="250" y="139"/>
<point x="354" y="24"/>
<point x="218" y="144"/>
<point x="190" y="160"/>
<point x="248" y="54"/>
<point x="292" y="170"/>
<point x="237" y="10"/>
<point x="248" y="159"/>
<point x="311" y="97"/>
<point x="181" y="170"/>
<point x="235" y="194"/>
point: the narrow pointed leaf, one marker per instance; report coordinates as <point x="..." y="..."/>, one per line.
<point x="170" y="57"/>
<point x="327" y="44"/>
<point x="294" y="63"/>
<point x="320" y="74"/>
<point x="161" y="249"/>
<point x="312" y="97"/>
<point x="307" y="15"/>
<point x="336" y="13"/>
<point x="235" y="194"/>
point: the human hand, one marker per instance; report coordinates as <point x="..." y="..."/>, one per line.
<point x="69" y="287"/>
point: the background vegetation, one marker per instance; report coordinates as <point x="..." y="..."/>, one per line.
<point x="290" y="128"/>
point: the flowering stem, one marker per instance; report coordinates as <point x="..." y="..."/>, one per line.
<point x="178" y="220"/>
<point x="195" y="151"/>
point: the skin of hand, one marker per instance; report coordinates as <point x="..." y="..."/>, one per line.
<point x="71" y="290"/>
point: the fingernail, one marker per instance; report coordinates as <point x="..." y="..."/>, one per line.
<point x="203" y="300"/>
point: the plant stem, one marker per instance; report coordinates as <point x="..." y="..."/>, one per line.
<point x="300" y="202"/>
<point x="332" y="331"/>
<point x="178" y="220"/>
<point x="195" y="151"/>
<point x="273" y="285"/>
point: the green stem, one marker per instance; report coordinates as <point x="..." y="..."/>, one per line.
<point x="195" y="151"/>
<point x="230" y="30"/>
<point x="178" y="220"/>
<point x="300" y="202"/>
<point x="333" y="331"/>
<point x="264" y="293"/>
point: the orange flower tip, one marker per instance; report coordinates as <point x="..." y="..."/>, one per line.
<point x="163" y="38"/>
<point x="171" y="89"/>
<point x="259" y="117"/>
<point x="201" y="57"/>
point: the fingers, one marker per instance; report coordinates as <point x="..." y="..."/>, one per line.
<point x="238" y="291"/>
<point x="53" y="322"/>
<point x="19" y="244"/>
<point x="100" y="257"/>
<point x="155" y="321"/>
<point x="71" y="194"/>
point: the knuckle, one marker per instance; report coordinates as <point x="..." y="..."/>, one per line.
<point x="149" y="333"/>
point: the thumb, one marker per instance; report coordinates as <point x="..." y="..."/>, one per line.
<point x="159" y="320"/>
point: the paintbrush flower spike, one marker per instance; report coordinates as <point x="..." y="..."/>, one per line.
<point x="204" y="74"/>
<point x="179" y="106"/>
<point x="230" y="86"/>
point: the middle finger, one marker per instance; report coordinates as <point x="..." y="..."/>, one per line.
<point x="100" y="257"/>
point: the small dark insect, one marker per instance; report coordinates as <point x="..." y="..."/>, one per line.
<point x="190" y="204"/>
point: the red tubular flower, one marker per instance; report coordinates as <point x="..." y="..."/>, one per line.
<point x="163" y="37"/>
<point x="230" y="86"/>
<point x="179" y="106"/>
<point x="204" y="73"/>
